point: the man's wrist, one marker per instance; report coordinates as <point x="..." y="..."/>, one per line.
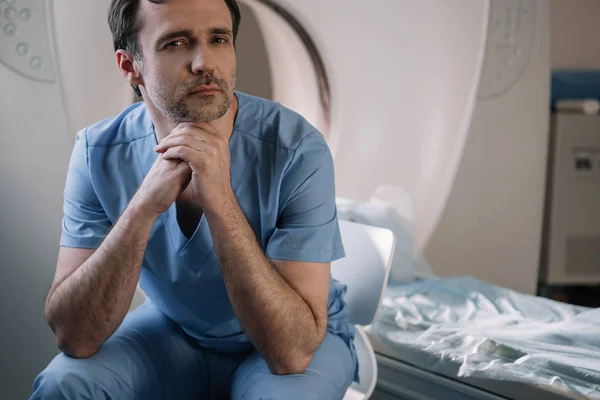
<point x="138" y="209"/>
<point x="224" y="209"/>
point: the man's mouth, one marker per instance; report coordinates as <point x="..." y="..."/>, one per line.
<point x="206" y="90"/>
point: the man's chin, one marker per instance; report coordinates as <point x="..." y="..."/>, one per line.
<point x="204" y="111"/>
<point x="205" y="98"/>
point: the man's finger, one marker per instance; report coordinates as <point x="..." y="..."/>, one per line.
<point x="184" y="153"/>
<point x="180" y="140"/>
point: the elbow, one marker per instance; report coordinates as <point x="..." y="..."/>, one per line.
<point x="65" y="341"/>
<point x="71" y="347"/>
<point x="291" y="364"/>
<point x="297" y="359"/>
<point x="81" y="354"/>
<point x="73" y="350"/>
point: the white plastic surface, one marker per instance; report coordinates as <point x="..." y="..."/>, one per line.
<point x="24" y="45"/>
<point x="33" y="166"/>
<point x="492" y="222"/>
<point x="382" y="211"/>
<point x="509" y="46"/>
<point x="92" y="86"/>
<point x="401" y="85"/>
<point x="365" y="269"/>
<point x="353" y="394"/>
<point x="367" y="370"/>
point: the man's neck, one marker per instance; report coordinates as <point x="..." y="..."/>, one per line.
<point x="163" y="127"/>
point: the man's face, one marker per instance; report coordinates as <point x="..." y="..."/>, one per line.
<point x="187" y="49"/>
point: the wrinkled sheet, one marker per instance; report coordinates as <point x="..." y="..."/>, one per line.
<point x="493" y="332"/>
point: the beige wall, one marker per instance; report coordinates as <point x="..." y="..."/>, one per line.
<point x="575" y="33"/>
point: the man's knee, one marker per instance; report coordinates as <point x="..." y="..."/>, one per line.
<point x="294" y="387"/>
<point x="327" y="377"/>
<point x="262" y="385"/>
<point x="68" y="378"/>
<point x="56" y="385"/>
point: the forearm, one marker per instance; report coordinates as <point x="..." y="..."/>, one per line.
<point x="276" y="319"/>
<point x="88" y="306"/>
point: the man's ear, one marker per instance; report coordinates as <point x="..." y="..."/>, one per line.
<point x="129" y="68"/>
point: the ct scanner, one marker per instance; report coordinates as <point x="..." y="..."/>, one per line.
<point x="407" y="92"/>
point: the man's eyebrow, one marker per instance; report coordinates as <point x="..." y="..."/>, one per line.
<point x="221" y="31"/>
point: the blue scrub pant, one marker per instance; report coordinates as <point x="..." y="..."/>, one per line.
<point x="150" y="357"/>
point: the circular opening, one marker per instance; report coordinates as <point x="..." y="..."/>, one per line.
<point x="278" y="60"/>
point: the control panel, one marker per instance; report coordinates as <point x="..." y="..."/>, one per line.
<point x="24" y="43"/>
<point x="572" y="238"/>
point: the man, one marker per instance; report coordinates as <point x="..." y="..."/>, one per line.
<point x="222" y="205"/>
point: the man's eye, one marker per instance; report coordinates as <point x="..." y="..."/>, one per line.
<point x="220" y="40"/>
<point x="175" y="43"/>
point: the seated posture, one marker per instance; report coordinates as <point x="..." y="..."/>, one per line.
<point x="222" y="206"/>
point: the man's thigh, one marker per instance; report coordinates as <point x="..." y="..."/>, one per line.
<point x="148" y="357"/>
<point x="329" y="374"/>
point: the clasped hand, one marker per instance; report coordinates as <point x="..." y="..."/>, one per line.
<point x="206" y="151"/>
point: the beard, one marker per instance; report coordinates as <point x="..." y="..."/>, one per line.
<point x="180" y="106"/>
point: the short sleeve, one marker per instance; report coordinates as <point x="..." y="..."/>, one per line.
<point x="85" y="223"/>
<point x="307" y="228"/>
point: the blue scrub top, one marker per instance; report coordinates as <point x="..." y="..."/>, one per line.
<point x="282" y="175"/>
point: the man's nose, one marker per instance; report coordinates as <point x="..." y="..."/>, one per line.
<point x="202" y="60"/>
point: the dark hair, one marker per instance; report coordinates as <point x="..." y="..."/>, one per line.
<point x="125" y="25"/>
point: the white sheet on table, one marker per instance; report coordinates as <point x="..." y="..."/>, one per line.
<point x="496" y="333"/>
